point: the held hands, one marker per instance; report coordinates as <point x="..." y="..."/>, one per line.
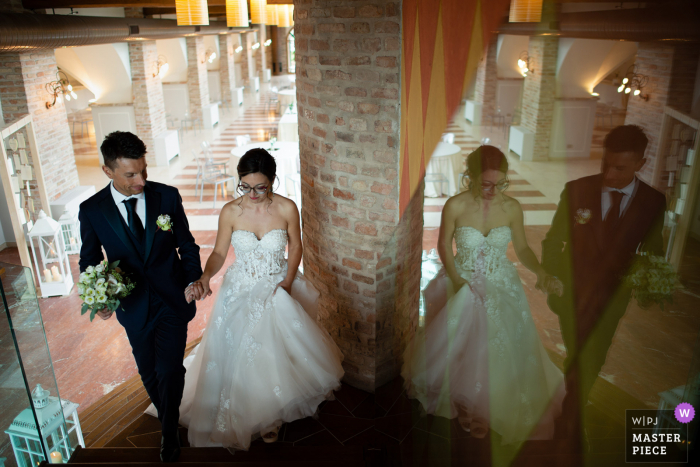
<point x="549" y="285"/>
<point x="198" y="290"/>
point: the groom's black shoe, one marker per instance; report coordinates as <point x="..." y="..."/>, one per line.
<point x="170" y="447"/>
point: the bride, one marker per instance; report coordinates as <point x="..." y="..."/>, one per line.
<point x="480" y="359"/>
<point x="263" y="360"/>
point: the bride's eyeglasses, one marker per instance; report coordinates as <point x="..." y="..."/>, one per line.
<point x="258" y="189"/>
<point x="500" y="186"/>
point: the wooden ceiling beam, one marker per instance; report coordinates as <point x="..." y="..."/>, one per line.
<point x="36" y="4"/>
<point x="213" y="11"/>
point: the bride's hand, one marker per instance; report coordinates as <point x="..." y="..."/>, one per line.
<point x="458" y="282"/>
<point x="201" y="289"/>
<point x="286" y="286"/>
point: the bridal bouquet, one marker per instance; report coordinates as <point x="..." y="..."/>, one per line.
<point x="652" y="280"/>
<point x="102" y="286"/>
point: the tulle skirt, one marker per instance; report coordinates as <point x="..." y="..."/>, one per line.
<point x="263" y="360"/>
<point x="479" y="357"/>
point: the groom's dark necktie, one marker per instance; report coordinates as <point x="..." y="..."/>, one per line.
<point x="613" y="217"/>
<point x="134" y="220"/>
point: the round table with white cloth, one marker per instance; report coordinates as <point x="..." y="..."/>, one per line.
<point x="288" y="127"/>
<point x="286" y="156"/>
<point x="286" y="97"/>
<point x="441" y="175"/>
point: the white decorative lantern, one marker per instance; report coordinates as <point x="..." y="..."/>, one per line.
<point x="53" y="271"/>
<point x="70" y="228"/>
<point x="58" y="420"/>
<point x="40" y="397"/>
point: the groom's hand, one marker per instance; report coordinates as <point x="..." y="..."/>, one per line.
<point x="105" y="313"/>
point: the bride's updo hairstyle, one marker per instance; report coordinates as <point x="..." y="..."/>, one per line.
<point x="257" y="160"/>
<point x="480" y="160"/>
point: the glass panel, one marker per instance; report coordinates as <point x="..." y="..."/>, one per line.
<point x="677" y="160"/>
<point x="26" y="367"/>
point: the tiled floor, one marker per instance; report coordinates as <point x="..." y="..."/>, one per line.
<point x="400" y="433"/>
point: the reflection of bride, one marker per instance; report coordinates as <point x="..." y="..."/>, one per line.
<point x="263" y="360"/>
<point x="479" y="358"/>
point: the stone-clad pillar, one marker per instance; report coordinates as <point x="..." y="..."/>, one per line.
<point x="348" y="90"/>
<point x="149" y="105"/>
<point x="539" y="93"/>
<point x="485" y="86"/>
<point x="197" y="81"/>
<point x="227" y="70"/>
<point x="23" y="79"/>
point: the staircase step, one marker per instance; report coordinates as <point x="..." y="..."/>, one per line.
<point x="353" y="455"/>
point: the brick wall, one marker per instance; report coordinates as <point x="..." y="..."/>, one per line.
<point x="240" y="57"/>
<point x="197" y="81"/>
<point x="259" y="53"/>
<point x="244" y="59"/>
<point x="486" y="82"/>
<point x="348" y="96"/>
<point x="279" y="38"/>
<point x="268" y="49"/>
<point x="23" y="78"/>
<point x="149" y="105"/>
<point x="398" y="291"/>
<point x="671" y="70"/>
<point x="539" y="93"/>
<point x="227" y="71"/>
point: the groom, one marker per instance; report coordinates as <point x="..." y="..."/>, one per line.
<point x="121" y="218"/>
<point x="601" y="223"/>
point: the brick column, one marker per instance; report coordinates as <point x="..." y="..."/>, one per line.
<point x="486" y="82"/>
<point x="259" y="53"/>
<point x="268" y="50"/>
<point x="149" y="105"/>
<point x="539" y="93"/>
<point x="242" y="58"/>
<point x="348" y="97"/>
<point x="23" y="78"/>
<point x="227" y="71"/>
<point x="671" y="70"/>
<point x="197" y="84"/>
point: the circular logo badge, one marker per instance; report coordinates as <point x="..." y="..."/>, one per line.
<point x="684" y="412"/>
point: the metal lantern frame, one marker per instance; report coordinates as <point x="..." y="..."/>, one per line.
<point x="70" y="228"/>
<point x="47" y="234"/>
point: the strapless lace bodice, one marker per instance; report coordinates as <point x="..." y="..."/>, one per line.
<point x="258" y="259"/>
<point x="476" y="251"/>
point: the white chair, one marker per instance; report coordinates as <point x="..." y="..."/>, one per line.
<point x="438" y="178"/>
<point x="242" y="140"/>
<point x="209" y="157"/>
<point x="448" y="138"/>
<point x="273" y="100"/>
<point x="210" y="174"/>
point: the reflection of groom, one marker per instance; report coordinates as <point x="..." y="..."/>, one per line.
<point x="600" y="224"/>
<point x="122" y="219"/>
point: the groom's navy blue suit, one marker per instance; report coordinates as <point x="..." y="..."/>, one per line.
<point x="162" y="264"/>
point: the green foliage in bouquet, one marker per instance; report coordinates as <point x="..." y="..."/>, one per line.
<point x="102" y="286"/>
<point x="652" y="280"/>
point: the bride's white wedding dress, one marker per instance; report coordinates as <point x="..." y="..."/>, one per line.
<point x="481" y="352"/>
<point x="263" y="359"/>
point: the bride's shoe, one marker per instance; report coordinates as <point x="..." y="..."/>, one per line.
<point x="271" y="434"/>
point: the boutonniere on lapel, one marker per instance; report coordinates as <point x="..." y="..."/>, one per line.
<point x="164" y="223"/>
<point x="583" y="216"/>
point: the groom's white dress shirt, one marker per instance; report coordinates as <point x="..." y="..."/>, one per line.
<point x="140" y="204"/>
<point x="627" y="195"/>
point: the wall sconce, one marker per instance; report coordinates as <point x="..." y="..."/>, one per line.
<point x="524" y="64"/>
<point x="161" y="66"/>
<point x="238" y="49"/>
<point x="268" y="43"/>
<point x="210" y="56"/>
<point x="255" y="46"/>
<point x="58" y="87"/>
<point x="634" y="81"/>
